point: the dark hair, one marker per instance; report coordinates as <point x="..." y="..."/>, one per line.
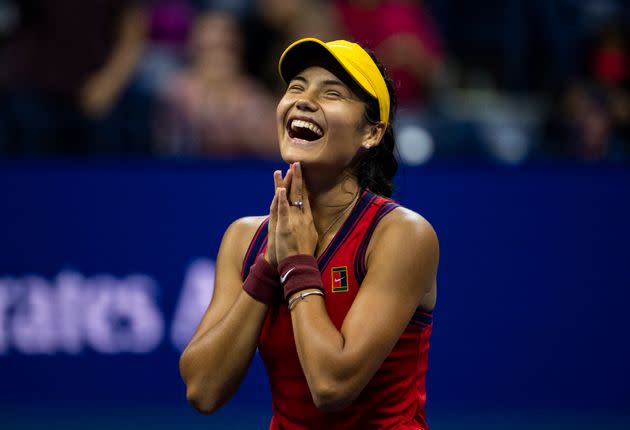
<point x="375" y="167"/>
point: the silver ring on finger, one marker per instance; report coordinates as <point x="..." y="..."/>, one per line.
<point x="298" y="204"/>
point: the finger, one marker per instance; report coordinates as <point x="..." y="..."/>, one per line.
<point x="293" y="193"/>
<point x="277" y="179"/>
<point x="270" y="252"/>
<point x="273" y="210"/>
<point x="288" y="179"/>
<point x="283" y="206"/>
<point x="297" y="190"/>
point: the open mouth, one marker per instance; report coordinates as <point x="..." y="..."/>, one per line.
<point x="304" y="130"/>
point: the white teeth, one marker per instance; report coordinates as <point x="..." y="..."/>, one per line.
<point x="298" y="123"/>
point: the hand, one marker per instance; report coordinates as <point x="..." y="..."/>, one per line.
<point x="98" y="96"/>
<point x="295" y="231"/>
<point x="279" y="182"/>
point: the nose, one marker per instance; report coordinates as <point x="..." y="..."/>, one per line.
<point x="306" y="104"/>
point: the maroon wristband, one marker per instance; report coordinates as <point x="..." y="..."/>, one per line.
<point x="263" y="282"/>
<point x="299" y="272"/>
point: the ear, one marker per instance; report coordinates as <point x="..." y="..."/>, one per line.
<point x="373" y="135"/>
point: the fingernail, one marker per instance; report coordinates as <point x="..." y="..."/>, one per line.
<point x="298" y="166"/>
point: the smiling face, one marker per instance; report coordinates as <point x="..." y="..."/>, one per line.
<point x="321" y="120"/>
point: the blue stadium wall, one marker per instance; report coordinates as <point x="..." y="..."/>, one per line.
<point x="106" y="266"/>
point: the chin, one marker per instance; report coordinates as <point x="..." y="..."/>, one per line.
<point x="294" y="158"/>
<point x="304" y="152"/>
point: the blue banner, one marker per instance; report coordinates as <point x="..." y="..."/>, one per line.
<point x="107" y="266"/>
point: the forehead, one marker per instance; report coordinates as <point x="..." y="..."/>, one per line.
<point x="317" y="74"/>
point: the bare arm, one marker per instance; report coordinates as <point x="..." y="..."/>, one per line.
<point x="219" y="353"/>
<point x="102" y="89"/>
<point x="402" y="265"/>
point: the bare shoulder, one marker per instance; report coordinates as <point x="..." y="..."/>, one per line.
<point x="245" y="226"/>
<point x="406" y="230"/>
<point x="238" y="236"/>
<point x="404" y="252"/>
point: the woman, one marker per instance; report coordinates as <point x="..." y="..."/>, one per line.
<point x="337" y="285"/>
<point x="212" y="107"/>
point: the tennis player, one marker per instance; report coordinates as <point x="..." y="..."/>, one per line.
<point x="337" y="285"/>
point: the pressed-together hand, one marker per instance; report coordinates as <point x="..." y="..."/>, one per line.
<point x="270" y="253"/>
<point x="295" y="231"/>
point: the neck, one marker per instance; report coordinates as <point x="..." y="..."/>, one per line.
<point x="331" y="198"/>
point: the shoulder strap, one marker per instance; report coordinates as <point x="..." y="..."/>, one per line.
<point x="256" y="246"/>
<point x="359" y="262"/>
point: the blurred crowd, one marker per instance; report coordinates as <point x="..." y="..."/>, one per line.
<point x="500" y="80"/>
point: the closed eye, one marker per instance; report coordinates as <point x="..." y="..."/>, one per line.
<point x="295" y="88"/>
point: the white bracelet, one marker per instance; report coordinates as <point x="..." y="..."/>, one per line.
<point x="302" y="296"/>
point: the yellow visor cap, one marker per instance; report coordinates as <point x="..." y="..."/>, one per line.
<point x="351" y="56"/>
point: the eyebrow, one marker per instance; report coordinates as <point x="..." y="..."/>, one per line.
<point x="327" y="82"/>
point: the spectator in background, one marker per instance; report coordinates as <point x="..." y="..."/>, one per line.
<point x="274" y="24"/>
<point x="540" y="43"/>
<point x="168" y="30"/>
<point x="169" y="25"/>
<point x="584" y="129"/>
<point x="593" y="119"/>
<point x="403" y="36"/>
<point x="65" y="78"/>
<point x="610" y="67"/>
<point x="212" y="107"/>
